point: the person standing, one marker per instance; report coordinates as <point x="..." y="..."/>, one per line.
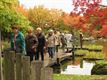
<point x="68" y="37"/>
<point x="63" y="42"/>
<point x="31" y="43"/>
<point x="57" y="40"/>
<point x="17" y="40"/>
<point x="51" y="44"/>
<point x="41" y="44"/>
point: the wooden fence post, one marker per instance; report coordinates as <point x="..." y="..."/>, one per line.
<point x="18" y="66"/>
<point x="0" y="68"/>
<point x="9" y="58"/>
<point x="0" y="54"/>
<point x="36" y="67"/>
<point x="81" y="41"/>
<point x="26" y="67"/>
<point x="46" y="74"/>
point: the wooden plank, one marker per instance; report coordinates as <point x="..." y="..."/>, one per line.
<point x="8" y="68"/>
<point x="63" y="57"/>
<point x="36" y="67"/>
<point x="26" y="67"/>
<point x="46" y="73"/>
<point x="18" y="66"/>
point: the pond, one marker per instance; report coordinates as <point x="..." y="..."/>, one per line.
<point x="78" y="67"/>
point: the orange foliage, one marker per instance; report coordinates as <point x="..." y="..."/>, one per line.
<point x="84" y="28"/>
<point x="22" y="10"/>
<point x="71" y="20"/>
<point x="75" y="21"/>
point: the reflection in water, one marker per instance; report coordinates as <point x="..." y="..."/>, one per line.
<point x="76" y="69"/>
<point x="78" y="66"/>
<point x="56" y="69"/>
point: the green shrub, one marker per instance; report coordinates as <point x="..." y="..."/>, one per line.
<point x="96" y="55"/>
<point x="81" y="52"/>
<point x="87" y="54"/>
<point x="93" y="47"/>
<point x="99" y="69"/>
<point x="101" y="62"/>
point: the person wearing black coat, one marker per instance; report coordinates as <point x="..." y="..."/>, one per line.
<point x="41" y="44"/>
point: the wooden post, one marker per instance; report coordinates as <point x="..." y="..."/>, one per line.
<point x="0" y="68"/>
<point x="58" y="61"/>
<point x="0" y="53"/>
<point x="81" y="63"/>
<point x="46" y="74"/>
<point x="81" y="41"/>
<point x="73" y="54"/>
<point x="18" y="66"/>
<point x="9" y="58"/>
<point x="26" y="67"/>
<point x="36" y="67"/>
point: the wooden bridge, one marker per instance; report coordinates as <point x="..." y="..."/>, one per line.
<point x="60" y="56"/>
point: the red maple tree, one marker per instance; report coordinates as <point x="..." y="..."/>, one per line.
<point x="84" y="6"/>
<point x="94" y="18"/>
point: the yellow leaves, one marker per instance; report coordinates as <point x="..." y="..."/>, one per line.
<point x="43" y="17"/>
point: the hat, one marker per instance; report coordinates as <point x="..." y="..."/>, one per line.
<point x="39" y="29"/>
<point x="50" y="30"/>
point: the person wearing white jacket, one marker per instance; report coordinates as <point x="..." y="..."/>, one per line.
<point x="68" y="38"/>
<point x="51" y="44"/>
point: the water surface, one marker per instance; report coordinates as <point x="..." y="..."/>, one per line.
<point x="77" y="69"/>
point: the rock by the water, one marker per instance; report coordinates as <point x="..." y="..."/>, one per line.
<point x="99" y="69"/>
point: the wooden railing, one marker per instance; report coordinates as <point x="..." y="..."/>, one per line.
<point x="18" y="67"/>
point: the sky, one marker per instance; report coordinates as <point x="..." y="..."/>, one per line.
<point x="65" y="5"/>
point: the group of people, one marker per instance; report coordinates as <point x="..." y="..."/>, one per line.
<point x="35" y="43"/>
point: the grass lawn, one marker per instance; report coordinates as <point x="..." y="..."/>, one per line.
<point x="79" y="77"/>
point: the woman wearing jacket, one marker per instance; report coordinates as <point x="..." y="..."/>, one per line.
<point x="51" y="44"/>
<point x="31" y="43"/>
<point x="17" y="40"/>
